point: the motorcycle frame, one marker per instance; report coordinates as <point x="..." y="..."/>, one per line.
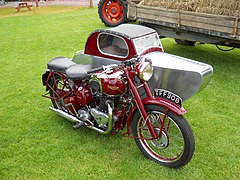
<point x="48" y="87"/>
<point x="139" y="103"/>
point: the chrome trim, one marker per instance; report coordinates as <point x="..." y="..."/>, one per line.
<point x="65" y="115"/>
<point x="71" y="118"/>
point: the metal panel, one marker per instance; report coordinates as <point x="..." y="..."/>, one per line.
<point x="179" y="75"/>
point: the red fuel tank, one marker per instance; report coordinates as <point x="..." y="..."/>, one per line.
<point x="111" y="83"/>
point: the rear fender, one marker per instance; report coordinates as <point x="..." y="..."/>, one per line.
<point x="45" y="77"/>
<point x="176" y="109"/>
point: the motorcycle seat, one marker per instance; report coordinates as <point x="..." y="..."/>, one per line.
<point x="78" y="72"/>
<point x="60" y="64"/>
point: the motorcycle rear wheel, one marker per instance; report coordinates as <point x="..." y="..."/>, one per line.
<point x="176" y="145"/>
<point x="57" y="85"/>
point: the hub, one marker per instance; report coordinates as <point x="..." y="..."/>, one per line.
<point x="162" y="142"/>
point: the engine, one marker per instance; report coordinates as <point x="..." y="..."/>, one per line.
<point x="106" y="90"/>
<point x="103" y="110"/>
<point x="94" y="104"/>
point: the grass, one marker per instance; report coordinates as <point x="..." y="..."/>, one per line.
<point x="35" y="143"/>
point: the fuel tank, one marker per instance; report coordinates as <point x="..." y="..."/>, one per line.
<point x="111" y="83"/>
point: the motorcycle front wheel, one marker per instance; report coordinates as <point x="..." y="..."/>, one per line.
<point x="175" y="146"/>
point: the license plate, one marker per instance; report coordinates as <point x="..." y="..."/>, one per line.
<point x="168" y="95"/>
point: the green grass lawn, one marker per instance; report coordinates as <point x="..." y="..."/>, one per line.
<point x="35" y="143"/>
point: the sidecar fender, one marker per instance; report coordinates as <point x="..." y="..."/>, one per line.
<point x="176" y="109"/>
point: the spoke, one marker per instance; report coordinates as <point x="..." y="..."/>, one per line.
<point x="170" y="135"/>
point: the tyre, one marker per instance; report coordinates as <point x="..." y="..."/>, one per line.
<point x="112" y="12"/>
<point x="57" y="88"/>
<point x="174" y="148"/>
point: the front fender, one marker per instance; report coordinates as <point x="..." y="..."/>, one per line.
<point x="176" y="109"/>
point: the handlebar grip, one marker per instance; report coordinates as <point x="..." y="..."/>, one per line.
<point x="95" y="70"/>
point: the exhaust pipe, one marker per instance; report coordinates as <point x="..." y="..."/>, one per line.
<point x="73" y="119"/>
<point x="65" y="115"/>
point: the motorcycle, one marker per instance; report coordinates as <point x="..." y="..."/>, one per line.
<point x="109" y="98"/>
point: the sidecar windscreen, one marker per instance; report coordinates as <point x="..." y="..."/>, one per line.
<point x="112" y="45"/>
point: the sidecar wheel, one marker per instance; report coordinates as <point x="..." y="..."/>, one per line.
<point x="176" y="145"/>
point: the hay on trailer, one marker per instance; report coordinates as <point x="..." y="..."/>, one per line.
<point x="219" y="7"/>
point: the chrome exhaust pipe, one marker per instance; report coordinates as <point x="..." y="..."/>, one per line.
<point x="65" y="115"/>
<point x="73" y="119"/>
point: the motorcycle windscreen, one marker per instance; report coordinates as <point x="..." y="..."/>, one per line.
<point x="182" y="76"/>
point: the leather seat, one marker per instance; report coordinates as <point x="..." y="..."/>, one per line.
<point x="78" y="72"/>
<point x="60" y="64"/>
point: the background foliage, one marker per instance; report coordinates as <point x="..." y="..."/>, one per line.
<point x="38" y="144"/>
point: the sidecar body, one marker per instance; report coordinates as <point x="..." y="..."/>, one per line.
<point x="183" y="77"/>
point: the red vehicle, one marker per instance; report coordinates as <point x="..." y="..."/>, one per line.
<point x="108" y="87"/>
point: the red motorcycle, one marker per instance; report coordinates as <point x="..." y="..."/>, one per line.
<point x="108" y="98"/>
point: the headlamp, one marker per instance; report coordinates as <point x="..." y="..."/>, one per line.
<point x="145" y="71"/>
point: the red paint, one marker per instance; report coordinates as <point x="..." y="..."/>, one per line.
<point x="112" y="83"/>
<point x="84" y="95"/>
<point x="91" y="47"/>
<point x="72" y="101"/>
<point x="112" y="11"/>
<point x="152" y="49"/>
<point x="140" y="104"/>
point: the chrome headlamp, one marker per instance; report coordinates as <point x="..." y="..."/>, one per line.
<point x="145" y="71"/>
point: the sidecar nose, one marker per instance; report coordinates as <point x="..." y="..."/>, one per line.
<point x="182" y="76"/>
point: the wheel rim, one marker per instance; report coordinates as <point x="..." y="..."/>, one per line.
<point x="170" y="146"/>
<point x="113" y="11"/>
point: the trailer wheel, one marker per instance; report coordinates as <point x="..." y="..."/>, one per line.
<point x="185" y="42"/>
<point x="112" y="12"/>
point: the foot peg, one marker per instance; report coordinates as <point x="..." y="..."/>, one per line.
<point x="78" y="125"/>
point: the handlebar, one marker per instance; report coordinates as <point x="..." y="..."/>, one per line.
<point x="104" y="68"/>
<point x="95" y="70"/>
<point x="130" y="62"/>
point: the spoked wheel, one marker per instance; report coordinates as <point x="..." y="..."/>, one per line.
<point x="112" y="12"/>
<point x="58" y="89"/>
<point x="175" y="146"/>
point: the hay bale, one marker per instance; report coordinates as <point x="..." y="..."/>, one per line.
<point x="219" y="7"/>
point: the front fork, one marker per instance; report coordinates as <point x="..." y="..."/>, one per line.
<point x="140" y="104"/>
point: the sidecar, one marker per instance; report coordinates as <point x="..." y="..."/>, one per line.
<point x="181" y="76"/>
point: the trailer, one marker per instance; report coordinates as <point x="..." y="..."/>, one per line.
<point x="184" y="26"/>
